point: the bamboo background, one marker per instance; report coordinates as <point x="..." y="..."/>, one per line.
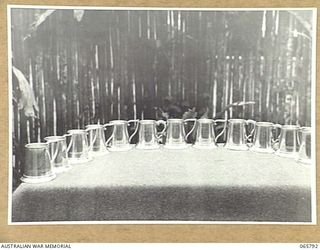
<point x="123" y="64"/>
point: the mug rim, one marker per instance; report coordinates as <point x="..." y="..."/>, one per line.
<point x="236" y="119"/>
<point x="36" y="145"/>
<point x="54" y="138"/>
<point x="94" y="126"/>
<point x="147" y="121"/>
<point x="288" y="126"/>
<point x="76" y="131"/>
<point x="205" y="120"/>
<point x="305" y="129"/>
<point x="265" y="123"/>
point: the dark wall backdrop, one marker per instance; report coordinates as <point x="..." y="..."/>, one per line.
<point x="84" y="67"/>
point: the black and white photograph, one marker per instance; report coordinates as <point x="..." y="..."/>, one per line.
<point x="161" y="115"/>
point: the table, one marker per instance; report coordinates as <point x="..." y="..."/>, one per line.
<point x="172" y="185"/>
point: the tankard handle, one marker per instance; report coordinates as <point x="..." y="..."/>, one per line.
<point x="194" y="125"/>
<point x="54" y="156"/>
<point x="109" y="139"/>
<point x="299" y="135"/>
<point x="276" y="126"/>
<point x="94" y="139"/>
<point x="70" y="143"/>
<point x="136" y="121"/>
<point x="159" y="122"/>
<point x="224" y="128"/>
<point x="249" y="121"/>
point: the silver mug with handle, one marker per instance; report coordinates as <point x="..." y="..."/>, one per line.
<point x="288" y="141"/>
<point x="305" y="148"/>
<point x="58" y="144"/>
<point x="176" y="137"/>
<point x="78" y="148"/>
<point x="148" y="135"/>
<point x="263" y="139"/>
<point x="97" y="141"/>
<point x="237" y="138"/>
<point x="38" y="166"/>
<point x="205" y="133"/>
<point x="120" y="139"/>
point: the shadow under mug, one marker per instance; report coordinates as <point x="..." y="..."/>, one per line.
<point x="38" y="165"/>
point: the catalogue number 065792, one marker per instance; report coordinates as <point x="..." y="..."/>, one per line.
<point x="309" y="245"/>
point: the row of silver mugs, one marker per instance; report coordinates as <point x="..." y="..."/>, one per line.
<point x="43" y="160"/>
<point x="292" y="141"/>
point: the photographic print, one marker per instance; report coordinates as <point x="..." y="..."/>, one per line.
<point x="161" y="115"/>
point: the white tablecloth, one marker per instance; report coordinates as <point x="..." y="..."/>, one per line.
<point x="179" y="185"/>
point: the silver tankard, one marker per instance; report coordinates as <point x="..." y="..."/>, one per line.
<point x="288" y="141"/>
<point x="205" y="133"/>
<point x="119" y="139"/>
<point x="176" y="137"/>
<point x="97" y="141"/>
<point x="148" y="135"/>
<point x="263" y="140"/>
<point x="38" y="165"/>
<point x="78" y="148"/>
<point x="237" y="137"/>
<point x="58" y="144"/>
<point x="304" y="155"/>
